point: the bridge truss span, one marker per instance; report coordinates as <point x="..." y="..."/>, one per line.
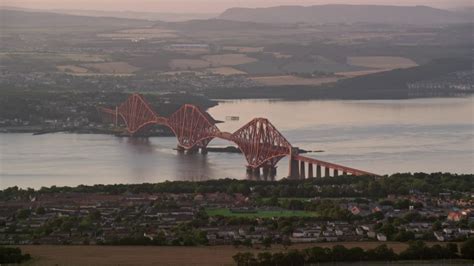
<point x="192" y="126"/>
<point x="136" y="113"/>
<point x="260" y="142"/>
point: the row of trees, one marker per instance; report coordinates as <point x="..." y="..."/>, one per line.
<point x="38" y="105"/>
<point x="416" y="250"/>
<point x="12" y="255"/>
<point x="183" y="235"/>
<point x="347" y="186"/>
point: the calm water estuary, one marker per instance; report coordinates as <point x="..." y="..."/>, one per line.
<point x="378" y="136"/>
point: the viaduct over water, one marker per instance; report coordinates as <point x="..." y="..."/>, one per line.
<point x="260" y="142"/>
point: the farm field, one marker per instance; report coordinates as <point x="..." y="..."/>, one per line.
<point x="352" y="74"/>
<point x="263" y="214"/>
<point x="80" y="57"/>
<point x="279" y="55"/>
<point x="34" y="57"/>
<point x="243" y="49"/>
<point x="260" y="68"/>
<point x="228" y="59"/>
<point x="112" y="68"/>
<point x="92" y="74"/>
<point x="189" y="50"/>
<point x="320" y="64"/>
<point x="184" y="64"/>
<point x="226" y="71"/>
<point x="381" y="62"/>
<point x="292" y="80"/>
<point x="48" y="56"/>
<point x="214" y="62"/>
<point x="156" y="255"/>
<point x="140" y="34"/>
<point x="72" y="69"/>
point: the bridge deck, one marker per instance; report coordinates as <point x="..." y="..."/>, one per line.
<point x="224" y="135"/>
<point x="332" y="166"/>
<point x="260" y="142"/>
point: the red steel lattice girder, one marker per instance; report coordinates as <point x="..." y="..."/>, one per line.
<point x="261" y="143"/>
<point x="192" y="126"/>
<point x="136" y="113"/>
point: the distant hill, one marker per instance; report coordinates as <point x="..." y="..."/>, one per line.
<point x="22" y="19"/>
<point x="394" y="84"/>
<point x="466" y="12"/>
<point x="383" y="85"/>
<point x="155" y="16"/>
<point x="321" y="14"/>
<point x="216" y="25"/>
<point x="171" y="17"/>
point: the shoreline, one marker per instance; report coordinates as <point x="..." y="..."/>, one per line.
<point x="45" y="129"/>
<point x="74" y="130"/>
<point x="216" y="149"/>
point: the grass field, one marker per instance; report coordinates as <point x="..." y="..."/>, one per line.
<point x="149" y="255"/>
<point x="289" y="198"/>
<point x="381" y="62"/>
<point x="261" y="214"/>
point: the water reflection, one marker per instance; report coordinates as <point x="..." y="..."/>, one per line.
<point x="140" y="144"/>
<point x="288" y="115"/>
<point x="194" y="167"/>
<point x="384" y="137"/>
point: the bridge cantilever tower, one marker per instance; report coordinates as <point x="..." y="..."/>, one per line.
<point x="193" y="127"/>
<point x="261" y="143"/>
<point x="135" y="113"/>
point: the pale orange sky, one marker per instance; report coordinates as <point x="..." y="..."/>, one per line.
<point x="207" y="6"/>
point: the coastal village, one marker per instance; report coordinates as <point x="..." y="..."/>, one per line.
<point x="228" y="219"/>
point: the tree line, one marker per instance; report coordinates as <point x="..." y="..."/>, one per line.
<point x="342" y="186"/>
<point x="417" y="250"/>
<point x="12" y="255"/>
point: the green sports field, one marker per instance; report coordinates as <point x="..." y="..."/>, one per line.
<point x="260" y="214"/>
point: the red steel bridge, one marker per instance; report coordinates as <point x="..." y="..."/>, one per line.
<point x="260" y="142"/>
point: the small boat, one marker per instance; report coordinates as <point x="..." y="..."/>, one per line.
<point x="232" y="118"/>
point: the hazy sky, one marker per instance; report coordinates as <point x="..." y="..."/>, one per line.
<point x="207" y="6"/>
